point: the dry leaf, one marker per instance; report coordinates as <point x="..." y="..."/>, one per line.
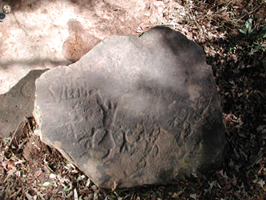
<point x="114" y="186"/>
<point x="261" y="183"/>
<point x="177" y="194"/>
<point x="38" y="173"/>
<point x="10" y="173"/>
<point x="76" y="197"/>
<point x="7" y="165"/>
<point x="194" y="196"/>
<point x="45" y="184"/>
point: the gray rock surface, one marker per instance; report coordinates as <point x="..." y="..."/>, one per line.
<point x="134" y="110"/>
<point x="18" y="103"/>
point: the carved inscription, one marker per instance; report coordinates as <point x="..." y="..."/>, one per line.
<point x="142" y="121"/>
<point x="126" y="145"/>
<point x="92" y="109"/>
<point x="69" y="91"/>
<point x="109" y="110"/>
<point x="106" y="137"/>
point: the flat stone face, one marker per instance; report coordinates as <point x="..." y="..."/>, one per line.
<point x="134" y="110"/>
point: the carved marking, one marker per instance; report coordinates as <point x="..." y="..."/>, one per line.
<point x="207" y="107"/>
<point x="52" y="92"/>
<point x="88" y="140"/>
<point x="24" y="92"/>
<point x="151" y="149"/>
<point x="64" y="92"/>
<point x="142" y="163"/>
<point x="186" y="130"/>
<point x="126" y="146"/>
<point x="107" y="140"/>
<point x="109" y="111"/>
<point x="154" y="135"/>
<point x="70" y="92"/>
<point x="140" y="132"/>
<point x="93" y="133"/>
<point x="155" y="151"/>
<point x="173" y="122"/>
<point x="68" y="129"/>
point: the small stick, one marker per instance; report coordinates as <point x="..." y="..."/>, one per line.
<point x="22" y="123"/>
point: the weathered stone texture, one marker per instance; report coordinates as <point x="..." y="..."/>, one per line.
<point x="18" y="103"/>
<point x="134" y="110"/>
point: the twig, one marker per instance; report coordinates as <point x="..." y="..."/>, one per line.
<point x="254" y="163"/>
<point x="255" y="9"/>
<point x="22" y="123"/>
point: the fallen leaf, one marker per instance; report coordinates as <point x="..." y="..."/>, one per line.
<point x="261" y="183"/>
<point x="18" y="173"/>
<point x="45" y="184"/>
<point x="222" y="173"/>
<point x="88" y="182"/>
<point x="243" y="154"/>
<point x="10" y="173"/>
<point x="213" y="184"/>
<point x="114" y="186"/>
<point x="260" y="128"/>
<point x="196" y="177"/>
<point x="38" y="173"/>
<point x="194" y="196"/>
<point x="20" y="162"/>
<point x="76" y="197"/>
<point x="7" y="165"/>
<point x="38" y="148"/>
<point x="177" y="194"/>
<point x="52" y="176"/>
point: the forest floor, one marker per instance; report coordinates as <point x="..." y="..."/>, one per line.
<point x="232" y="34"/>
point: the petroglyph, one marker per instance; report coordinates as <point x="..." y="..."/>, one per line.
<point x="109" y="109"/>
<point x="126" y="145"/>
<point x="150" y="116"/>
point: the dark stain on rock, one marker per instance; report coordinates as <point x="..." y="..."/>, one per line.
<point x="79" y="41"/>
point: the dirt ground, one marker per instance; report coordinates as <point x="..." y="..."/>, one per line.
<point x="44" y="34"/>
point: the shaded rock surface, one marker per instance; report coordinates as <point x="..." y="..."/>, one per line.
<point x="18" y="103"/>
<point x="134" y="110"/>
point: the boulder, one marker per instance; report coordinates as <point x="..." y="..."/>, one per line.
<point x="134" y="110"/>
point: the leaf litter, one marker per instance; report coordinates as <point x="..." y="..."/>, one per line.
<point x="232" y="34"/>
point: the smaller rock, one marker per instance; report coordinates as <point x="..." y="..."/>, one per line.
<point x="18" y="103"/>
